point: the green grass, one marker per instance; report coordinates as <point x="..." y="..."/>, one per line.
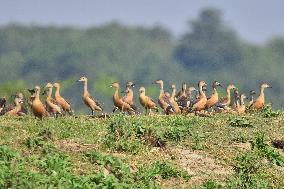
<point x="221" y="151"/>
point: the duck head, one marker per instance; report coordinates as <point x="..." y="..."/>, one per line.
<point x="130" y="84"/>
<point x="83" y="79"/>
<point x="115" y="85"/>
<point x="158" y="82"/>
<point x="216" y="84"/>
<point x="141" y="89"/>
<point x="231" y="87"/>
<point x="183" y="86"/>
<point x="265" y="85"/>
<point x="202" y="83"/>
<point x="56" y="85"/>
<point x="252" y="92"/>
<point x="173" y="86"/>
<point x="47" y="87"/>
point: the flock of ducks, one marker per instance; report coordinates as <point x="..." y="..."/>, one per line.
<point x="188" y="100"/>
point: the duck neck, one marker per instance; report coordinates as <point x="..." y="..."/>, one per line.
<point x="251" y="98"/>
<point x="17" y="103"/>
<point x="215" y="90"/>
<point x="116" y="93"/>
<point x="242" y="101"/>
<point x="37" y="94"/>
<point x="174" y="92"/>
<point x="57" y="93"/>
<point x="161" y="88"/>
<point x="85" y="87"/>
<point x="49" y="93"/>
<point x="142" y="94"/>
<point x="261" y="92"/>
<point x="201" y="92"/>
<point x="130" y="91"/>
<point x="229" y="94"/>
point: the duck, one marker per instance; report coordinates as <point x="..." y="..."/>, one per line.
<point x="182" y="92"/>
<point x="118" y="101"/>
<point x="128" y="97"/>
<point x="163" y="99"/>
<point x="236" y="103"/>
<point x="241" y="107"/>
<point x="214" y="98"/>
<point x="172" y="100"/>
<point x="202" y="99"/>
<point x="3" y="102"/>
<point x="251" y="100"/>
<point x="24" y="109"/>
<point x="186" y="101"/>
<point x="89" y="101"/>
<point x="260" y="101"/>
<point x="52" y="107"/>
<point x="64" y="104"/>
<point x="17" y="108"/>
<point x="225" y="102"/>
<point x="146" y="101"/>
<point x="37" y="106"/>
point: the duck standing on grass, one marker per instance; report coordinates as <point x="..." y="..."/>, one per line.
<point x="146" y="101"/>
<point x="225" y="102"/>
<point x="65" y="105"/>
<point x="260" y="101"/>
<point x="118" y="101"/>
<point x="164" y="99"/>
<point x="37" y="106"/>
<point x="52" y="107"/>
<point x="89" y="101"/>
<point x="214" y="98"/>
<point x="202" y="99"/>
<point x="17" y="108"/>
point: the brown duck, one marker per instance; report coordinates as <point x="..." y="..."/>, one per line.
<point x="164" y="98"/>
<point x="242" y="107"/>
<point x="260" y="101"/>
<point x="182" y="92"/>
<point x="66" y="107"/>
<point x="37" y="106"/>
<point x="214" y="98"/>
<point x="17" y="108"/>
<point x="225" y="102"/>
<point x="147" y="102"/>
<point x="118" y="101"/>
<point x="173" y="102"/>
<point x="251" y="100"/>
<point x="51" y="105"/>
<point x="202" y="99"/>
<point x="89" y="101"/>
<point x="128" y="98"/>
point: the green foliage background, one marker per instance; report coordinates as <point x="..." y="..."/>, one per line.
<point x="210" y="50"/>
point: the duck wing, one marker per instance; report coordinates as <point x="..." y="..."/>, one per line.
<point x="223" y="102"/>
<point x="97" y="102"/>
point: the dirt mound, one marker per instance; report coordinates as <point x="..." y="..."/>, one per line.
<point x="71" y="146"/>
<point x="201" y="166"/>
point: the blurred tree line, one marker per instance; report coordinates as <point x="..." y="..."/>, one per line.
<point x="209" y="50"/>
